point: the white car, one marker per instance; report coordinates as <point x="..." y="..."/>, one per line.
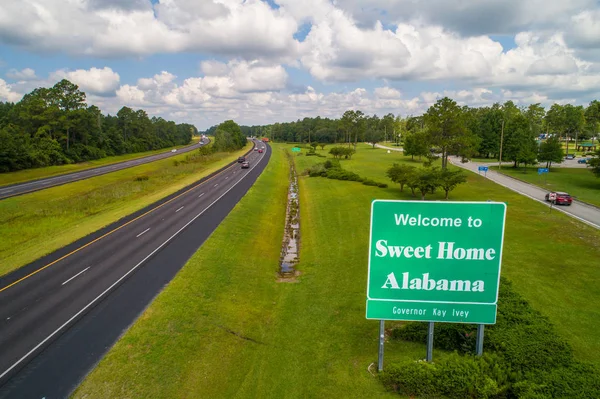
<point x="173" y="150"/>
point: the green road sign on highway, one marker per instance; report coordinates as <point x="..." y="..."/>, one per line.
<point x="296" y="149"/>
<point x="435" y="261"/>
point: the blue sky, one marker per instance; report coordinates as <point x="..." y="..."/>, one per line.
<point x="276" y="60"/>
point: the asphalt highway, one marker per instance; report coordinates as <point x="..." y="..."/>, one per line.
<point x="59" y="315"/>
<point x="35" y="185"/>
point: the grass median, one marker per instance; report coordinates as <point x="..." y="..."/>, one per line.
<point x="22" y="176"/>
<point x="35" y="224"/>
<point x="224" y="327"/>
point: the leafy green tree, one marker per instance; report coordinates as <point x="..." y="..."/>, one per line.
<point x="427" y="180"/>
<point x="373" y="137"/>
<point x="322" y="145"/>
<point x="535" y="115"/>
<point x="594" y="163"/>
<point x="450" y="179"/>
<point x="337" y="152"/>
<point x="67" y="97"/>
<point x="229" y="137"/>
<point x="445" y="122"/>
<point x="551" y="151"/>
<point x="416" y="144"/>
<point x="592" y="118"/>
<point x="574" y="122"/>
<point x="400" y="174"/>
<point x="519" y="143"/>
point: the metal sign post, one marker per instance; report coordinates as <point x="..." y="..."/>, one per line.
<point x="381" y="342"/>
<point x="430" y="342"/>
<point x="435" y="261"/>
<point x="543" y="171"/>
<point x="479" y="344"/>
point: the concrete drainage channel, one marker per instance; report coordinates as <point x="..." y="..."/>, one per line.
<point x="291" y="236"/>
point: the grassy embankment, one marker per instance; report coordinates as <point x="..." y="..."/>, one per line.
<point x="41" y="173"/>
<point x="579" y="182"/>
<point x="225" y="328"/>
<point x="35" y="224"/>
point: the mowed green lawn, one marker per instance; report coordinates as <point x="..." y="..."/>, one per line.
<point x="225" y="327"/>
<point x="35" y="224"/>
<point x="41" y="173"/>
<point x="579" y="182"/>
<point x="551" y="258"/>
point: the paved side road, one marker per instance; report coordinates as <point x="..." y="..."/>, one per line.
<point x="388" y="148"/>
<point x="579" y="210"/>
<point x="35" y="185"/>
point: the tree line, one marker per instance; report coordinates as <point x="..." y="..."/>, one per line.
<point x="521" y="135"/>
<point x="55" y="126"/>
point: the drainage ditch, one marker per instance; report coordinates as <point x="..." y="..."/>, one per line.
<point x="291" y="237"/>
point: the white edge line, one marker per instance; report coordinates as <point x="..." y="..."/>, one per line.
<point x="76" y="275"/>
<point x="179" y="209"/>
<point x="142" y="232"/>
<point x="201" y="195"/>
<point x="119" y="280"/>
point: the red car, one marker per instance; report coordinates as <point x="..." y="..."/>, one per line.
<point x="559" y="198"/>
<point x="260" y="151"/>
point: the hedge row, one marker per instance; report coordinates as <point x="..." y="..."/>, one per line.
<point x="529" y="359"/>
<point x="332" y="169"/>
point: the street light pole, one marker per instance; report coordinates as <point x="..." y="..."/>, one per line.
<point x="501" y="142"/>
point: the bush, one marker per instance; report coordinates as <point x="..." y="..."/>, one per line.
<point x="453" y="377"/>
<point x="531" y="359"/>
<point x="332" y="164"/>
<point x="332" y="170"/>
<point x="141" y="178"/>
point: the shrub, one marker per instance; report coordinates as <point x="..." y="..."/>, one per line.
<point x="530" y="360"/>
<point x="453" y="377"/>
<point x="332" y="163"/>
<point x="369" y="182"/>
<point x="141" y="178"/>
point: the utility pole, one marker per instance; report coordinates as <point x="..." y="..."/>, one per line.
<point x="501" y="140"/>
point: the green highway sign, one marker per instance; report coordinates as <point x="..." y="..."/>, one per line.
<point x="435" y="261"/>
<point x="296" y="149"/>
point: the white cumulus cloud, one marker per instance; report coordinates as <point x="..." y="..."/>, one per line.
<point x="101" y="82"/>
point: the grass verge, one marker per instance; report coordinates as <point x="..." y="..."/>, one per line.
<point x="38" y="223"/>
<point x="41" y="173"/>
<point x="225" y="328"/>
<point x="579" y="182"/>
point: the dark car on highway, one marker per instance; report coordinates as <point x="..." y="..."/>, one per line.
<point x="584" y="160"/>
<point x="559" y="198"/>
<point x="245" y="165"/>
<point x="260" y="151"/>
<point x="241" y="159"/>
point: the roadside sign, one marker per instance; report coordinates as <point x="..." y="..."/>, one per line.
<point x="296" y="149"/>
<point x="552" y="197"/>
<point x="483" y="168"/>
<point x="542" y="170"/>
<point x="435" y="261"/>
